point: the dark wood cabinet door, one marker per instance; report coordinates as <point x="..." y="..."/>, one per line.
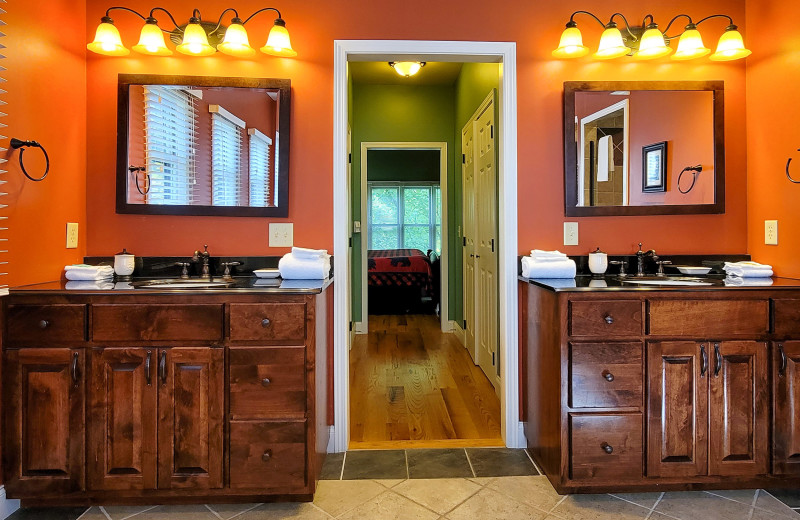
<point x="44" y="421"/>
<point x="190" y="410"/>
<point x="738" y="414"/>
<point x="122" y="422"/>
<point x="677" y="425"/>
<point x="786" y="399"/>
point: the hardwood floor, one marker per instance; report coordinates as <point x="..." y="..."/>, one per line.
<point x="411" y="386"/>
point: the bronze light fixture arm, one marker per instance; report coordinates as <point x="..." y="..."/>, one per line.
<point x="172" y="18"/>
<point x="627" y="25"/>
<point x="261" y="11"/>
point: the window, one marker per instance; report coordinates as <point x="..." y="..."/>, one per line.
<point x="170" y="144"/>
<point x="404" y="216"/>
<point x="259" y="168"/>
<point x="226" y="157"/>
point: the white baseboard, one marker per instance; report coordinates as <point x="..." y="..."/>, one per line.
<point x="459" y="332"/>
<point x="521" y="440"/>
<point x="360" y="327"/>
<point x="7" y="506"/>
<point x="331" y="438"/>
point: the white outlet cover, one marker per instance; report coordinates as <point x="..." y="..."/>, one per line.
<point x="771" y="232"/>
<point x="570" y="233"/>
<point x="72" y="235"/>
<point x="281" y="234"/>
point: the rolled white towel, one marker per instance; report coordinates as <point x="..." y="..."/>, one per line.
<point x="88" y="272"/>
<point x="293" y="268"/>
<point x="537" y="269"/>
<point x="736" y="281"/>
<point x="304" y="252"/>
<point x="89" y="285"/>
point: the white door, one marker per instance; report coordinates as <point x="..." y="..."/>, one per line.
<point x="468" y="223"/>
<point x="486" y="243"/>
<point x="350" y="233"/>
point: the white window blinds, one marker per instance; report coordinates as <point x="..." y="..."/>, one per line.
<point x="226" y="159"/>
<point x="3" y="170"/>
<point x="259" y="168"/>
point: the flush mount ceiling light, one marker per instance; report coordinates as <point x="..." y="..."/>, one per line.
<point x="406" y="68"/>
<point x="647" y="42"/>
<point x="197" y="37"/>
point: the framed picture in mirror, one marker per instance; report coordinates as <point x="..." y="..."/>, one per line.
<point x="654" y="167"/>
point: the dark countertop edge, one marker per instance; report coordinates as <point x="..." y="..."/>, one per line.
<point x="669" y="288"/>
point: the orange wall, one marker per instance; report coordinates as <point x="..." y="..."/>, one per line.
<point x="773" y="111"/>
<point x="45" y="50"/>
<point x="315" y="24"/>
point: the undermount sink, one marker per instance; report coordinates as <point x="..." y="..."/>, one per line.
<point x="178" y="283"/>
<point x="666" y="280"/>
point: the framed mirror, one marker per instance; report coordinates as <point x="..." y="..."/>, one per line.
<point x="198" y="145"/>
<point x="644" y="148"/>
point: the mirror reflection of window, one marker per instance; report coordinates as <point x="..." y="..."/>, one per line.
<point x="226" y="158"/>
<point x="259" y="168"/>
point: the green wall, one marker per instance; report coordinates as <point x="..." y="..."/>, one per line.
<point x="403" y="165"/>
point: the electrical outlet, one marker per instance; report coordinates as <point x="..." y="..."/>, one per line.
<point x="570" y="233"/>
<point x="72" y="235"/>
<point x="281" y="235"/>
<point x="771" y="232"/>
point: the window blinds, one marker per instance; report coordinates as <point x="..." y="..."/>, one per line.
<point x="3" y="170"/>
<point x="259" y="168"/>
<point x="170" y="144"/>
<point x="226" y="161"/>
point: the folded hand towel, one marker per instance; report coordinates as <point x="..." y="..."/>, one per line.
<point x="748" y="269"/>
<point x="295" y="268"/>
<point x="88" y="272"/>
<point x="304" y="252"/>
<point x="748" y="282"/>
<point x="89" y="285"/>
<point x="532" y="268"/>
<point x="547" y="256"/>
<point x="748" y="265"/>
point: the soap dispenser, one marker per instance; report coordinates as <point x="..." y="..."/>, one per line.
<point x="598" y="262"/>
<point x="124" y="262"/>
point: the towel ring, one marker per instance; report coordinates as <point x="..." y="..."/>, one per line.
<point x="135" y="170"/>
<point x="19" y="143"/>
<point x="695" y="170"/>
<point x="789" y="175"/>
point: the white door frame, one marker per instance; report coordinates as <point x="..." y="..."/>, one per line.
<point x="363" y="328"/>
<point x="452" y="51"/>
<point x="582" y="152"/>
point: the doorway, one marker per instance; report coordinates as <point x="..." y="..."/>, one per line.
<point x="498" y="52"/>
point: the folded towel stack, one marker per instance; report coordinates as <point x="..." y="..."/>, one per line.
<point x="747" y="270"/>
<point x="548" y="264"/>
<point x="89" y="285"/>
<point x="305" y="264"/>
<point x="735" y="281"/>
<point x="88" y="272"/>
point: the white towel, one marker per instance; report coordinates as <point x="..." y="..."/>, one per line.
<point x="293" y="268"/>
<point x="736" y="281"/>
<point x="748" y="269"/>
<point x="532" y="268"/>
<point x="540" y="254"/>
<point x="304" y="252"/>
<point x="89" y="285"/>
<point x="605" y="158"/>
<point x="88" y="272"/>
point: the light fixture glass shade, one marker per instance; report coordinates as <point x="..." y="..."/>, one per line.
<point x="195" y="41"/>
<point x="406" y="68"/>
<point x="151" y="41"/>
<point x="690" y="46"/>
<point x="107" y="40"/>
<point x="236" y="42"/>
<point x="571" y="44"/>
<point x="652" y="45"/>
<point x="611" y="45"/>
<point x="730" y="46"/>
<point x="278" y="42"/>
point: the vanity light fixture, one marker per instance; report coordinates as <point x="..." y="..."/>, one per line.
<point x="197" y="37"/>
<point x="647" y="41"/>
<point x="406" y="68"/>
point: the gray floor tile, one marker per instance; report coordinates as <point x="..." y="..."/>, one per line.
<point x="500" y="462"/>
<point x="790" y="497"/>
<point x="332" y="468"/>
<point x="375" y="464"/>
<point x="698" y="505"/>
<point x="47" y="513"/>
<point x="442" y="463"/>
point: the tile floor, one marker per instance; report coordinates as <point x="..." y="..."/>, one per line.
<point x="363" y="495"/>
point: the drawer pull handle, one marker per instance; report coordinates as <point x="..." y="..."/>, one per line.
<point x="75" y="374"/>
<point x="704" y="357"/>
<point x="265" y="322"/>
<point x="265" y="381"/>
<point x="609" y="319"/>
<point x="44" y="324"/>
<point x="162" y="367"/>
<point x="607" y="448"/>
<point x="608" y="376"/>
<point x="782" y="368"/>
<point x="717" y="361"/>
<point x="147" y="368"/>
<point x="266" y="456"/>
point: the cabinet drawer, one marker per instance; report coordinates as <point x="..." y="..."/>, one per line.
<point x="605" y="318"/>
<point x="605" y="446"/>
<point x="268" y="321"/>
<point x="268" y="454"/>
<point x="130" y="322"/>
<point x="787" y="317"/>
<point x="266" y="381"/>
<point x="605" y="375"/>
<point x="44" y="324"/>
<point x="708" y="318"/>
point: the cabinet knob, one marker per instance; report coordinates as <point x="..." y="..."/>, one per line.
<point x="44" y="324"/>
<point x="266" y="456"/>
<point x="265" y="322"/>
<point x="608" y="376"/>
<point x="607" y="448"/>
<point x="265" y="381"/>
<point x="609" y="319"/>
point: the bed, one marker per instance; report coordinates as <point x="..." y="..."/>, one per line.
<point x="401" y="281"/>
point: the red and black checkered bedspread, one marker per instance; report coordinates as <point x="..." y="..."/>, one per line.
<point x="399" y="267"/>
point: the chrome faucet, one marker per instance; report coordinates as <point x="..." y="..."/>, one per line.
<point x="204" y="275"/>
<point x="640" y="259"/>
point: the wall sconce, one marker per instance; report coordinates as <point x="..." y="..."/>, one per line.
<point x="406" y="68"/>
<point x="197" y="37"/>
<point x="647" y="42"/>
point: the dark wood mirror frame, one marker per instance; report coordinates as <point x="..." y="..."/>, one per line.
<point x="284" y="121"/>
<point x="571" y="209"/>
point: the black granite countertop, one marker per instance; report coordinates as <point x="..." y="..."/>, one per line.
<point x="588" y="283"/>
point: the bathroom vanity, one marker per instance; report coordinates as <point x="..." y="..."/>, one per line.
<point x="651" y="388"/>
<point x="163" y="395"/>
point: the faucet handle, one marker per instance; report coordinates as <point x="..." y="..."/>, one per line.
<point x="227" y="274"/>
<point x="185" y="271"/>
<point x="621" y="264"/>
<point x="661" y="264"/>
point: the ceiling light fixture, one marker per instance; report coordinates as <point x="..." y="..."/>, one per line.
<point x="406" y="68"/>
<point x="647" y="42"/>
<point x="197" y="37"/>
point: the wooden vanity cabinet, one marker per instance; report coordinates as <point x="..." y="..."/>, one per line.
<point x="786" y="408"/>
